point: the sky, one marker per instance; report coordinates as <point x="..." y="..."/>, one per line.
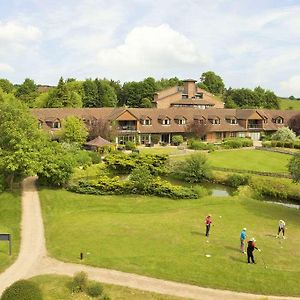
<point x="248" y="43"/>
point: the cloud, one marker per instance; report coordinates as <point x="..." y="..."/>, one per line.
<point x="14" y="32"/>
<point x="154" y="49"/>
<point x="291" y="86"/>
<point x="6" y="68"/>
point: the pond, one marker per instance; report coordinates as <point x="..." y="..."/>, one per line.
<point x="218" y="190"/>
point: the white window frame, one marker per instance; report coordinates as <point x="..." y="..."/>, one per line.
<point x="166" y="121"/>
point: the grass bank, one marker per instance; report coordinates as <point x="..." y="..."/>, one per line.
<point x="56" y="287"/>
<point x="10" y="217"/>
<point x="165" y="238"/>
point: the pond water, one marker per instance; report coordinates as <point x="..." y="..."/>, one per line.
<point x="218" y="190"/>
<point x="290" y="205"/>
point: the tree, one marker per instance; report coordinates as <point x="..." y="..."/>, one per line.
<point x="90" y="98"/>
<point x="27" y="92"/>
<point x="6" y="85"/>
<point x="106" y="93"/>
<point x="284" y="134"/>
<point x="64" y="96"/>
<point x="294" y="167"/>
<point x="294" y="124"/>
<point x="194" y="168"/>
<point x="177" y="139"/>
<point x="73" y="131"/>
<point x="102" y="128"/>
<point x="21" y="141"/>
<point x="199" y="128"/>
<point x="212" y="82"/>
<point x="292" y="97"/>
<point x="146" y="102"/>
<point x="58" y="165"/>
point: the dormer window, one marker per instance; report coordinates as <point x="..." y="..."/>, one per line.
<point x="56" y="124"/>
<point x="199" y="96"/>
<point x="185" y="96"/>
<point x="278" y="120"/>
<point x="232" y="121"/>
<point x="180" y="120"/>
<point x="166" y="121"/>
<point x="146" y="122"/>
<point x="214" y="120"/>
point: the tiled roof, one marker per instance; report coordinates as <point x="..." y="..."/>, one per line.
<point x="98" y="142"/>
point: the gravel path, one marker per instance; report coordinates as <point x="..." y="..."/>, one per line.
<point x="33" y="261"/>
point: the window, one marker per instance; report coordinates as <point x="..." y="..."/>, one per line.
<point x="215" y="121"/>
<point x="278" y="120"/>
<point x="232" y="134"/>
<point x="146" y="122"/>
<point x="232" y="121"/>
<point x="184" y="96"/>
<point x="166" y="121"/>
<point x="56" y="124"/>
<point x="218" y="135"/>
<point x="181" y="121"/>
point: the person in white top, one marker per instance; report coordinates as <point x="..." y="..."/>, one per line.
<point x="281" y="228"/>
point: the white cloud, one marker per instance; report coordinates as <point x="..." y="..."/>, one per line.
<point x="6" y="68"/>
<point x="291" y="86"/>
<point x="14" y="32"/>
<point x="152" y="49"/>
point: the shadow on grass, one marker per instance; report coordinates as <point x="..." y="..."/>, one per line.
<point x="242" y="259"/>
<point x="235" y="249"/>
<point x="198" y="233"/>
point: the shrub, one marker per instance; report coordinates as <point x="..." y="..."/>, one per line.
<point x="22" y="290"/>
<point x="237" y="143"/>
<point x="94" y="289"/>
<point x="267" y="144"/>
<point x="124" y="163"/>
<point x="105" y="297"/>
<point x="2" y="183"/>
<point x="79" y="282"/>
<point x="201" y="191"/>
<point x="155" y="138"/>
<point x="199" y="145"/>
<point x="288" y="144"/>
<point x="130" y="145"/>
<point x="95" y="157"/>
<point x="235" y="180"/>
<point x="276" y="189"/>
<point x="82" y="158"/>
<point x="294" y="167"/>
<point x="194" y="168"/>
<point x="177" y="140"/>
<point x="284" y="134"/>
<point x="141" y="177"/>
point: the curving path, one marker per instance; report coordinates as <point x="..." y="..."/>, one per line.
<point x="33" y="260"/>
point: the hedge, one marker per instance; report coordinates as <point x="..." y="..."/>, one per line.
<point x="113" y="186"/>
<point x="282" y="144"/>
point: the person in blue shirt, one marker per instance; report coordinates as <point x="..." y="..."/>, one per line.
<point x="242" y="239"/>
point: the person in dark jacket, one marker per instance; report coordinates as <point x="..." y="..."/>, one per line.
<point x="251" y="247"/>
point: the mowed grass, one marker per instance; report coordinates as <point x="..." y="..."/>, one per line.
<point x="10" y="216"/>
<point x="168" y="150"/>
<point x="164" y="238"/>
<point x="289" y="104"/>
<point x="254" y="160"/>
<point x="55" y="287"/>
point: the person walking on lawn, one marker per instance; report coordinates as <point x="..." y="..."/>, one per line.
<point x="281" y="227"/>
<point x="250" y="249"/>
<point x="208" y="222"/>
<point x="243" y="239"/>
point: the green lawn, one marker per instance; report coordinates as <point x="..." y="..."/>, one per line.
<point x="250" y="160"/>
<point x="165" y="238"/>
<point x="57" y="287"/>
<point x="10" y="216"/>
<point x="289" y="104"/>
<point x="161" y="150"/>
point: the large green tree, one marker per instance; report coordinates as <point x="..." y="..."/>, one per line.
<point x="212" y="82"/>
<point x="21" y="141"/>
<point x="6" y="85"/>
<point x="73" y="131"/>
<point x="64" y="95"/>
<point x="27" y="92"/>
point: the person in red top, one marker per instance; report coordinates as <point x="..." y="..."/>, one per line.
<point x="207" y="222"/>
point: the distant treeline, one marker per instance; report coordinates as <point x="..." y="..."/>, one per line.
<point x="110" y="93"/>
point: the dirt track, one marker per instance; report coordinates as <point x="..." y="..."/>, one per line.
<point x="33" y="260"/>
